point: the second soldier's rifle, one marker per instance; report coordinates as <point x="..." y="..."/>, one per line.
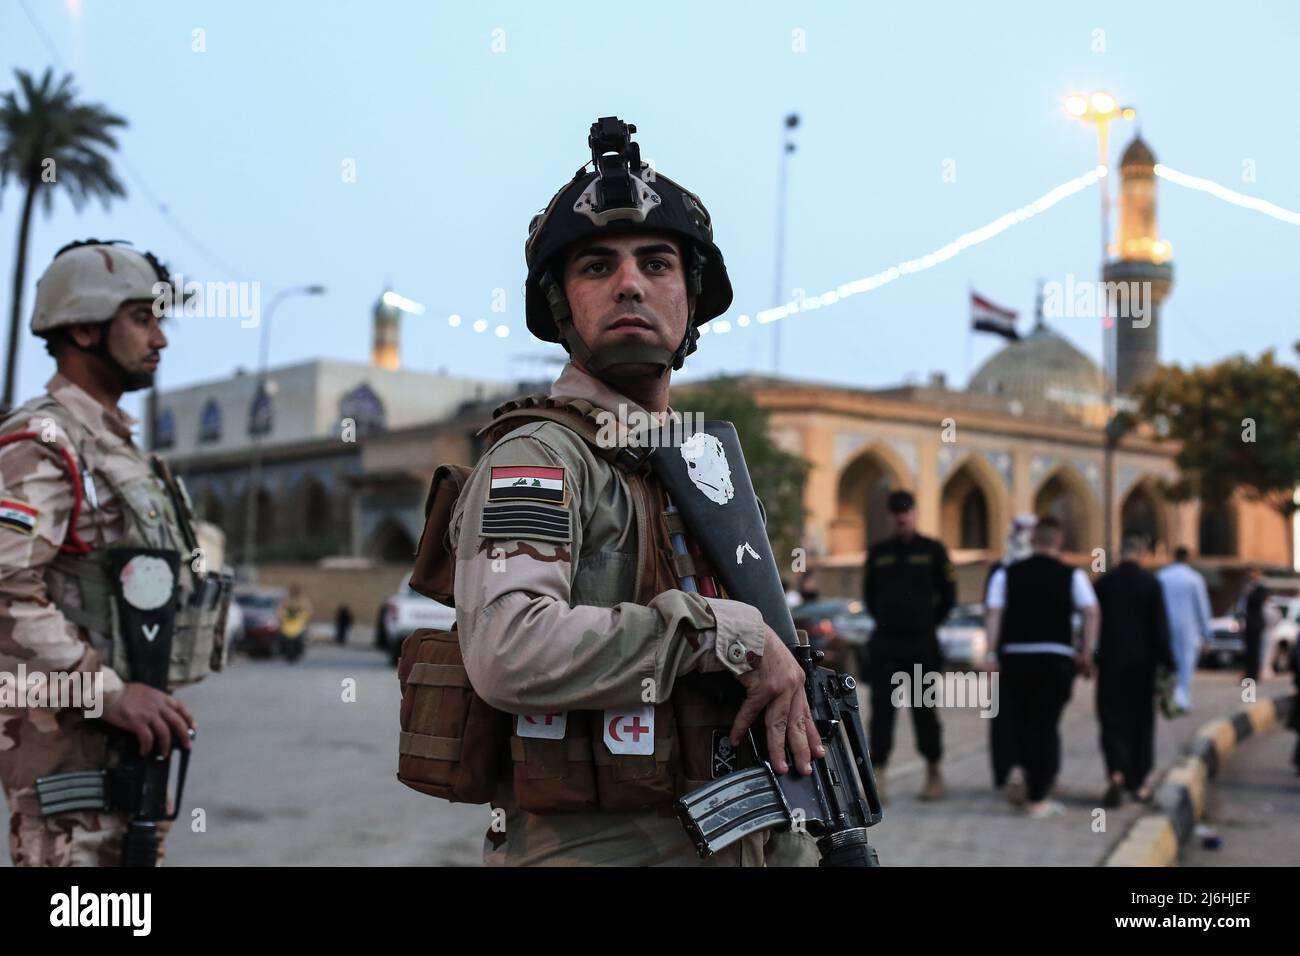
<point x="143" y="591"/>
<point x="708" y="484"/>
<point x="145" y="601"/>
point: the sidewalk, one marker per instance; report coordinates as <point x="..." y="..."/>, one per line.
<point x="1254" y="805"/>
<point x="975" y="826"/>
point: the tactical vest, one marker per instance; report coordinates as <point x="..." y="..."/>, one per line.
<point x="157" y="514"/>
<point x="456" y="747"/>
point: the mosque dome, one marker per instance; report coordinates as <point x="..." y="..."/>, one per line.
<point x="1042" y="373"/>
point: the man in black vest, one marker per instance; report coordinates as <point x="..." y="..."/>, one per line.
<point x="909" y="589"/>
<point x="1030" y="608"/>
<point x="1134" y="644"/>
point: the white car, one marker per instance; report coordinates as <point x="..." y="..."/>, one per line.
<point x="406" y="612"/>
<point x="963" y="638"/>
<point x="1281" y="636"/>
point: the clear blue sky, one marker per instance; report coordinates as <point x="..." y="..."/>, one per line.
<point x="457" y="146"/>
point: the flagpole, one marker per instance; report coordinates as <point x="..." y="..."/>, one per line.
<point x="970" y="334"/>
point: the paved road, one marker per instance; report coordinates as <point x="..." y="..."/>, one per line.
<point x="976" y="827"/>
<point x="289" y="772"/>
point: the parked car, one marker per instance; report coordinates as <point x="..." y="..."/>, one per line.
<point x="963" y="639"/>
<point x="260" y="609"/>
<point x="1226" y="645"/>
<point x="1282" y="636"/>
<point x="839" y="628"/>
<point x="406" y="612"/>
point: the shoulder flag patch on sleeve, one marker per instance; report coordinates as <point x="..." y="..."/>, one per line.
<point x="18" y="516"/>
<point x="529" y="483"/>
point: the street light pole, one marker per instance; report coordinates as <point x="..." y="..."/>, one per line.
<point x="249" y="557"/>
<point x="1100" y="109"/>
<point x="778" y="271"/>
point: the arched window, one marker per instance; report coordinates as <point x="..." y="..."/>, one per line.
<point x="164" y="430"/>
<point x="261" y="414"/>
<point x="974" y="520"/>
<point x="210" y="422"/>
<point x="364" y="408"/>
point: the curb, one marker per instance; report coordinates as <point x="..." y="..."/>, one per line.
<point x="1158" y="838"/>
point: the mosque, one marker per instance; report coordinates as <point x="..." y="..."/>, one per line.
<point x="1025" y="435"/>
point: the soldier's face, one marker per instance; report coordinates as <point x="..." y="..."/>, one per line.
<point x="626" y="290"/>
<point x="136" y="341"/>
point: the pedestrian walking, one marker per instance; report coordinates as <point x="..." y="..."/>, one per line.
<point x="1132" y="648"/>
<point x="1007" y="773"/>
<point x="1031" y="605"/>
<point x="342" y="624"/>
<point x="1187" y="608"/>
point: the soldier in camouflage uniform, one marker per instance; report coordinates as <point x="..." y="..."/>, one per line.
<point x="73" y="482"/>
<point x="546" y="540"/>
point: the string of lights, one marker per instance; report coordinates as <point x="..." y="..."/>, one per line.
<point x="1227" y="195"/>
<point x="910" y="266"/>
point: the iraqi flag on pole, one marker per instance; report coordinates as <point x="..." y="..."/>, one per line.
<point x="987" y="317"/>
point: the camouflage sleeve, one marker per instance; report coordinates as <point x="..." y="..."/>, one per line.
<point x="36" y="495"/>
<point x="526" y="649"/>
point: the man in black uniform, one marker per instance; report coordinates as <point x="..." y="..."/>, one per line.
<point x="1250" y="611"/>
<point x="909" y="589"/>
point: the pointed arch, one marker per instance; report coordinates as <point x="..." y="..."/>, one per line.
<point x="862" y="488"/>
<point x="973" y="504"/>
<point x="1066" y="495"/>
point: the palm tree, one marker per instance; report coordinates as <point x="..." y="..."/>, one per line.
<point x="49" y="139"/>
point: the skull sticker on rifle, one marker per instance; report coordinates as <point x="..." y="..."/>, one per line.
<point x="706" y="463"/>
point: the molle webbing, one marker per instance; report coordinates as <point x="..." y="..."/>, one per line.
<point x="577" y="414"/>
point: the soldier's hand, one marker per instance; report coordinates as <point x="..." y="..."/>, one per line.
<point x="152" y="716"/>
<point x="775" y="689"/>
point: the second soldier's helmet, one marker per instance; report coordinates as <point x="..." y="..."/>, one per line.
<point x="88" y="281"/>
<point x="621" y="195"/>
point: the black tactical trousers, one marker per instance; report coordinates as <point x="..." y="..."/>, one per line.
<point x="888" y="657"/>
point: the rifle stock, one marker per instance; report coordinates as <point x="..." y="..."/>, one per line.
<point x="144" y="593"/>
<point x="708" y="482"/>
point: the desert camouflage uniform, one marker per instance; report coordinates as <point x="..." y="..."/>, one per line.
<point x="555" y="629"/>
<point x="39" y="741"/>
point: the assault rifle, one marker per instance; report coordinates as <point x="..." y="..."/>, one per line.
<point x="708" y="483"/>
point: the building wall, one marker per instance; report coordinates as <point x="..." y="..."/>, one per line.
<point x="923" y="448"/>
<point x="363" y="590"/>
<point x="306" y="402"/>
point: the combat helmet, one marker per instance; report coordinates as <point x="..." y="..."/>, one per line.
<point x="621" y="195"/>
<point x="87" y="281"/>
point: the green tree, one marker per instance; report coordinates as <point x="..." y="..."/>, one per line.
<point x="49" y="139"/>
<point x="778" y="476"/>
<point x="1239" y="426"/>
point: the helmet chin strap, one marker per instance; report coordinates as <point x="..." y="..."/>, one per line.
<point x="598" y="362"/>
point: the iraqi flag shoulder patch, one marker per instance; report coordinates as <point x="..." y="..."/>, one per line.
<point x="18" y="516"/>
<point x="528" y="483"/>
